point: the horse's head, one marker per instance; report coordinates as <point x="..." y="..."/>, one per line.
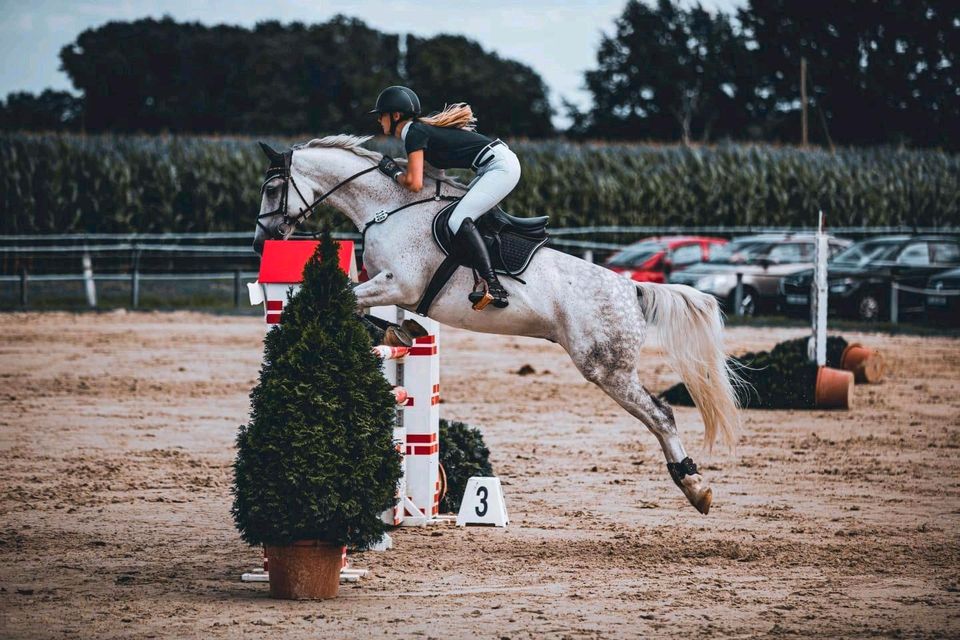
<point x="275" y="220"/>
<point x="290" y="191"/>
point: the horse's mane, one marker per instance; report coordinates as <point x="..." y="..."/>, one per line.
<point x="343" y="141"/>
<point x="354" y="144"/>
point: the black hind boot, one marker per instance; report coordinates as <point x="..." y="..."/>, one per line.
<point x="471" y="243"/>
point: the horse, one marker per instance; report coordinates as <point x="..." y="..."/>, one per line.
<point x="599" y="317"/>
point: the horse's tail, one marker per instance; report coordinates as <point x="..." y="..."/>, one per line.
<point x="690" y="329"/>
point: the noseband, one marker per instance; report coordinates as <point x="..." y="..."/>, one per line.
<point x="288" y="222"/>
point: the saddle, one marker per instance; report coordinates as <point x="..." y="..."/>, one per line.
<point x="511" y="242"/>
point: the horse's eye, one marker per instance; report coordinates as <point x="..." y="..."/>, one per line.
<point x="272" y="190"/>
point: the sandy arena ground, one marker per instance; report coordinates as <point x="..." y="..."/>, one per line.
<point x="117" y="437"/>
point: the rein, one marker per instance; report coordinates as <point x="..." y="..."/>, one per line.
<point x="304" y="213"/>
<point x="289" y="221"/>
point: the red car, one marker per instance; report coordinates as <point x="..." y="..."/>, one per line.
<point x="653" y="259"/>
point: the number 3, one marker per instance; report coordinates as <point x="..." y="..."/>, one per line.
<point x="482" y="493"/>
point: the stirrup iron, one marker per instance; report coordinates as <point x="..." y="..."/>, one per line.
<point x="480" y="299"/>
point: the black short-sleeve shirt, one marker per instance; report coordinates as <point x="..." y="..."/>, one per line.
<point x="445" y="147"/>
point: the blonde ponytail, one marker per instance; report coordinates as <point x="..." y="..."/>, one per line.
<point x="458" y="115"/>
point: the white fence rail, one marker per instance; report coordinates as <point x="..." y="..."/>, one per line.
<point x="135" y="278"/>
<point x="896" y="288"/>
<point x="81" y="249"/>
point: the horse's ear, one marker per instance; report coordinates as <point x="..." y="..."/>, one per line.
<point x="275" y="157"/>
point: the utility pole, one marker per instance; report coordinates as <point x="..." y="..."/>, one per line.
<point x="803" y="101"/>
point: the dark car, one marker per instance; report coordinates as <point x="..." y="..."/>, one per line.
<point x="860" y="278"/>
<point x="761" y="261"/>
<point x="942" y="299"/>
<point x="653" y="259"/>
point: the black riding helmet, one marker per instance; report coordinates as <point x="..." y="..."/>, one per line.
<point x="397" y="99"/>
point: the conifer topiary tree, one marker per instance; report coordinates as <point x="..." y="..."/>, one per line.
<point x="317" y="460"/>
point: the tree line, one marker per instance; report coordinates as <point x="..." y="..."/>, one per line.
<point x="152" y="76"/>
<point x="877" y="72"/>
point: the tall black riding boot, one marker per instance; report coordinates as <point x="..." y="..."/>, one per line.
<point x="471" y="243"/>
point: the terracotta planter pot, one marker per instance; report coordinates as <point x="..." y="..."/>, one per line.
<point x="305" y="570"/>
<point x="443" y="484"/>
<point x="866" y="364"/>
<point x="834" y="389"/>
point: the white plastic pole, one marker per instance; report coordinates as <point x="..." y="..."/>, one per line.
<point x="820" y="291"/>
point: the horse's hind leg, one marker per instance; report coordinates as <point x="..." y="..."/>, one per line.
<point x="657" y="415"/>
<point x="682" y="469"/>
<point x="618" y="377"/>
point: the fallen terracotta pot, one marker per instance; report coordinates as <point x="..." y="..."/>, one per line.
<point x="305" y="570"/>
<point x="866" y="364"/>
<point x="834" y="389"/>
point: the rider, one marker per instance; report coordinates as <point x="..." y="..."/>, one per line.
<point x="447" y="140"/>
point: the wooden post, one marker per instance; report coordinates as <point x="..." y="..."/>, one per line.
<point x="90" y="285"/>
<point x="894" y="302"/>
<point x="135" y="280"/>
<point x="23" y="287"/>
<point x="236" y="288"/>
<point x="738" y="296"/>
<point x="803" y="101"/>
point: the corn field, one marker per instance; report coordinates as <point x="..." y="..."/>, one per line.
<point x="111" y="184"/>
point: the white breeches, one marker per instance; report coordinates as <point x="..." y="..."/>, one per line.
<point x="495" y="180"/>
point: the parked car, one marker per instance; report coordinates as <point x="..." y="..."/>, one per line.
<point x="943" y="308"/>
<point x="860" y="278"/>
<point x="653" y="259"/>
<point x="762" y="260"/>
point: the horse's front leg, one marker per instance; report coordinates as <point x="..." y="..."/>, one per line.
<point x="381" y="290"/>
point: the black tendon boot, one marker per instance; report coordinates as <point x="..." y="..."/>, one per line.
<point x="471" y="243"/>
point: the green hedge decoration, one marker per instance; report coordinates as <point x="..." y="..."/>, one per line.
<point x="463" y="455"/>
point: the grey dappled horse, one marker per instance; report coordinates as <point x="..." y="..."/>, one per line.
<point x="599" y="317"/>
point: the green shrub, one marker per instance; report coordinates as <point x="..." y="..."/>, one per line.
<point x="463" y="455"/>
<point x="317" y="460"/>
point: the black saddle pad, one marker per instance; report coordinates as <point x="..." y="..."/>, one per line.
<point x="511" y="241"/>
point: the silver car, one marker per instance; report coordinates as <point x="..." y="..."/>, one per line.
<point x="762" y="261"/>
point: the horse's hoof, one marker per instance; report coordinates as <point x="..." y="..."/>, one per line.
<point x="703" y="504"/>
<point x="397" y="336"/>
<point x="700" y="497"/>
<point x="414" y="328"/>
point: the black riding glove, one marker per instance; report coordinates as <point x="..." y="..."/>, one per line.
<point x="390" y="168"/>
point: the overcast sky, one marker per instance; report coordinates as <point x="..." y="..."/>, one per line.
<point x="557" y="38"/>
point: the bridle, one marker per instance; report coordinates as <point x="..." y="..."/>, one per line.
<point x="280" y="168"/>
<point x="289" y="222"/>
